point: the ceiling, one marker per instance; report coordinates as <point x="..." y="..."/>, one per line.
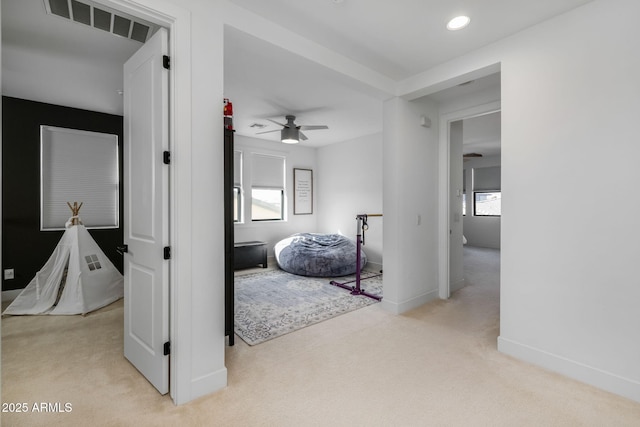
<point x="481" y="134"/>
<point x="396" y="39"/>
<point x="402" y="38"/>
<point x="264" y="82"/>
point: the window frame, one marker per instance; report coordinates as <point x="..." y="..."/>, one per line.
<point x="238" y="185"/>
<point x="282" y="205"/>
<point x="237" y="193"/>
<point x="475" y="203"/>
<point x="464" y="203"/>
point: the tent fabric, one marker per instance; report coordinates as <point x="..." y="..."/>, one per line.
<point x="92" y="281"/>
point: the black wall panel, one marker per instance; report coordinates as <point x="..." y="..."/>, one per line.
<point x="24" y="247"/>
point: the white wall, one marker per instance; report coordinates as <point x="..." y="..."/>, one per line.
<point x="481" y="231"/>
<point x="296" y="156"/>
<point x="571" y="145"/>
<point x="198" y="278"/>
<point x="456" y="266"/>
<point x="24" y="77"/>
<point x="410" y="168"/>
<point x="569" y="283"/>
<point x="350" y="183"/>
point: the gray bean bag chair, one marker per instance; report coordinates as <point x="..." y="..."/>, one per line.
<point x="319" y="255"/>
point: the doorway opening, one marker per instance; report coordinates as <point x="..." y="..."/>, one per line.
<point x="475" y="196"/>
<point x="79" y="65"/>
<point x="470" y="195"/>
<point x="477" y="106"/>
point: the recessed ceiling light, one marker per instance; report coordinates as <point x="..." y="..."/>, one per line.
<point x="458" y="23"/>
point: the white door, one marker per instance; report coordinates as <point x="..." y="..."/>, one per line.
<point x="146" y="211"/>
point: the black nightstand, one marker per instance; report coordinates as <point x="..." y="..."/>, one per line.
<point x="249" y="254"/>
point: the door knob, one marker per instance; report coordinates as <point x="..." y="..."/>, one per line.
<point x="122" y="249"/>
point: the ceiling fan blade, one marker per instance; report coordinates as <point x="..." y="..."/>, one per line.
<point x="267" y="131"/>
<point x="302" y="136"/>
<point x="313" y="127"/>
<point x="472" y="155"/>
<point x="273" y="121"/>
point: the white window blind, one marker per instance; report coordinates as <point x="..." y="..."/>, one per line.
<point x="237" y="168"/>
<point x="486" y="179"/>
<point x="78" y="166"/>
<point x="267" y="171"/>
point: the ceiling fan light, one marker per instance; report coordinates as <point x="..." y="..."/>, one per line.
<point x="289" y="135"/>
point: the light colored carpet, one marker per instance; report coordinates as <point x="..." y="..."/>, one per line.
<point x="273" y="303"/>
<point x="434" y="366"/>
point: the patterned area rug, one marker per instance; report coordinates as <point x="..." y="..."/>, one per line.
<point x="274" y="303"/>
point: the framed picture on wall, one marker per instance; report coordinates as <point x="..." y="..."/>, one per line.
<point x="302" y="191"/>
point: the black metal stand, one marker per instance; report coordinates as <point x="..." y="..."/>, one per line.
<point x="357" y="290"/>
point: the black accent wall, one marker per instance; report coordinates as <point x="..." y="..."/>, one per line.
<point x="24" y="247"/>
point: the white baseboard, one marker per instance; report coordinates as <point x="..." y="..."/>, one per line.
<point x="10" y="295"/>
<point x="587" y="374"/>
<point x="410" y="304"/>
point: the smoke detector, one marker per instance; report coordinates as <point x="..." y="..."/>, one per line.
<point x="102" y="18"/>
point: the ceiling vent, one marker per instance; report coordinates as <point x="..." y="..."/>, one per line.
<point x="102" y="18"/>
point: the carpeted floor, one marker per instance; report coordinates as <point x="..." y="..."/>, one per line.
<point x="436" y="365"/>
<point x="272" y="303"/>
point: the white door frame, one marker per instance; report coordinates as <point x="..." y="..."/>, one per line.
<point x="444" y="189"/>
<point x="178" y="21"/>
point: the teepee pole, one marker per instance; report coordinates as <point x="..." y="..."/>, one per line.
<point x="75" y="210"/>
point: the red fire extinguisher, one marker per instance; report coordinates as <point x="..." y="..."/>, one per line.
<point x="228" y="107"/>
<point x="228" y="114"/>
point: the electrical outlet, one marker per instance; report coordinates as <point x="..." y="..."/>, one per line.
<point x="9" y="274"/>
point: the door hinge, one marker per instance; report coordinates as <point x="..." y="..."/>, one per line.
<point x="167" y="252"/>
<point x="167" y="348"/>
<point x="166" y="62"/>
<point x="166" y="157"/>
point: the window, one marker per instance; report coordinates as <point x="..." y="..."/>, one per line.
<point x="464" y="204"/>
<point x="93" y="262"/>
<point x="464" y="192"/>
<point x="267" y="188"/>
<point x="78" y="166"/>
<point x="236" y="204"/>
<point x="237" y="186"/>
<point x="487" y="203"/>
<point x="266" y="204"/>
<point x="487" y="197"/>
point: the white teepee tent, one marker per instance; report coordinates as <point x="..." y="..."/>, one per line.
<point x="91" y="282"/>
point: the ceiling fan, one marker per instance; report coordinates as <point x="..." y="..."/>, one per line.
<point x="290" y="132"/>
<point x="469" y="156"/>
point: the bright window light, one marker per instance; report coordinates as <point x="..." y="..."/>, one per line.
<point x="458" y="23"/>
